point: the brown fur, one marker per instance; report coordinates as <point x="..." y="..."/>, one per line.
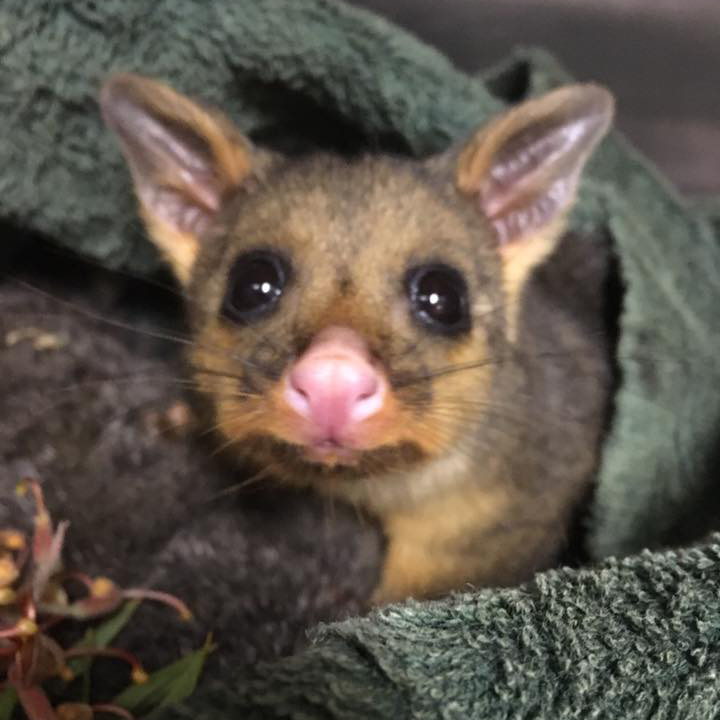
<point x="474" y="472"/>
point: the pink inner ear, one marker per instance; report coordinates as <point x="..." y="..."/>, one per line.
<point x="172" y="206"/>
<point x="514" y="214"/>
<point x="172" y="165"/>
<point x="526" y="166"/>
<point x="534" y="181"/>
<point x="180" y="159"/>
<point x="175" y="182"/>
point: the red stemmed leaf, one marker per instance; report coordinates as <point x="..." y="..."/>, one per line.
<point x="33" y="699"/>
<point x="48" y="561"/>
<point x="38" y="659"/>
<point x="34" y="598"/>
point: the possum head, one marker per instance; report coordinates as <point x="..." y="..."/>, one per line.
<point x="345" y="311"/>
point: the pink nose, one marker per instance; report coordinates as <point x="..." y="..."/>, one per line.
<point x="334" y="385"/>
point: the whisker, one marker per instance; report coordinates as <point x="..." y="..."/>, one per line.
<point x="122" y="380"/>
<point x="330" y="512"/>
<point x="161" y="334"/>
<point x="230" y="441"/>
<point x="174" y="289"/>
<point x="180" y="292"/>
<point x="135" y="377"/>
<point x="461" y="406"/>
<point x="201" y="370"/>
<point x="220" y="449"/>
<point x="242" y="485"/>
<point x="119" y="324"/>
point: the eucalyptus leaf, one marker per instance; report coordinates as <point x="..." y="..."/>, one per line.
<point x="106" y="632"/>
<point x="166" y="686"/>
<point x="8" y="701"/>
<point x="100" y="637"/>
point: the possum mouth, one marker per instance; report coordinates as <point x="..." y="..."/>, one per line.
<point x="331" y="453"/>
<point x="310" y="465"/>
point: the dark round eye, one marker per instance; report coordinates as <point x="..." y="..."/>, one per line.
<point x="439" y="298"/>
<point x="255" y="284"/>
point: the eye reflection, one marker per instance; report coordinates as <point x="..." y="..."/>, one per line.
<point x="255" y="285"/>
<point x="438" y="298"/>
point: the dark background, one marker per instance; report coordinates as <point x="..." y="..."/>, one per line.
<point x="660" y="57"/>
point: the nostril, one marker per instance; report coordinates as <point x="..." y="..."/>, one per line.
<point x="334" y="391"/>
<point x="368" y="386"/>
<point x="298" y="381"/>
<point x="369" y="398"/>
<point x="297" y="394"/>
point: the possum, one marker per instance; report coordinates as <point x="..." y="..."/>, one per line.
<point x="373" y="328"/>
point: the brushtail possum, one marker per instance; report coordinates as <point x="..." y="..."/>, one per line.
<point x="361" y="325"/>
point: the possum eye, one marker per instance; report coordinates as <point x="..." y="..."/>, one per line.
<point x="255" y="285"/>
<point x="438" y="298"/>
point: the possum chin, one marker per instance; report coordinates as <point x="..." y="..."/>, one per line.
<point x="332" y="454"/>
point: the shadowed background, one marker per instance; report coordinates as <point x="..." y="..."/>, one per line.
<point x="659" y="57"/>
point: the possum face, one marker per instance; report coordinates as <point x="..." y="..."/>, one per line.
<point x="342" y="295"/>
<point x="346" y="312"/>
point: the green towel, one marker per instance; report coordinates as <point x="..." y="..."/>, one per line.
<point x="633" y="638"/>
<point x="275" y="66"/>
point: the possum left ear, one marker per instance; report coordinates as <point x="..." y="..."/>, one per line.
<point x="524" y="168"/>
<point x="185" y="161"/>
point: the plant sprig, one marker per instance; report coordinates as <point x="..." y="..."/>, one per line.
<point x="34" y="598"/>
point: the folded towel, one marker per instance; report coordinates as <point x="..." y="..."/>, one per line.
<point x="633" y="638"/>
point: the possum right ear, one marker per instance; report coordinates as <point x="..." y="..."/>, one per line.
<point x="185" y="161"/>
<point x="522" y="171"/>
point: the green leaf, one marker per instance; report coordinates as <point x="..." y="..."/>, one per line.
<point x="166" y="686"/>
<point x="105" y="633"/>
<point x="100" y="637"/>
<point x="8" y="701"/>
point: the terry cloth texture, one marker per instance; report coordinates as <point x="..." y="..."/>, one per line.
<point x="631" y="638"/>
<point x="634" y="638"/>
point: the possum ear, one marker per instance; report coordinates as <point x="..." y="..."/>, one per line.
<point x="184" y="160"/>
<point x="524" y="169"/>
